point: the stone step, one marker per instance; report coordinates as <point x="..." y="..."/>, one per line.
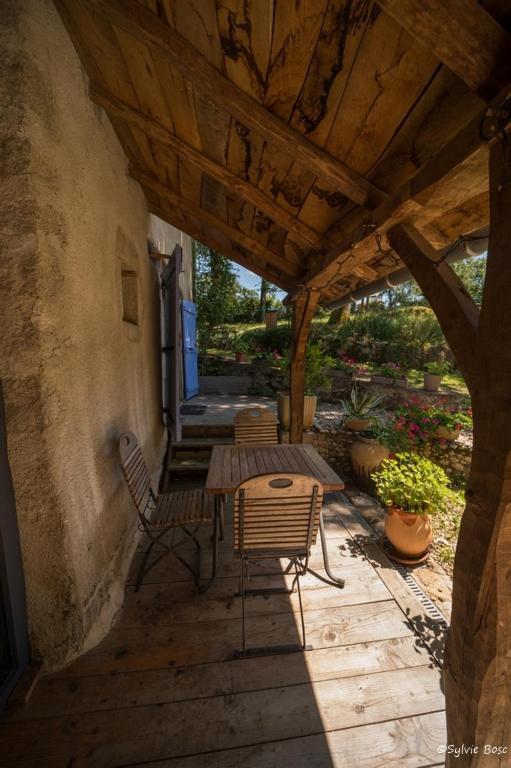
<point x="187" y="466"/>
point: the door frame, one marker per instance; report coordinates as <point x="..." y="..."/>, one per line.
<point x="170" y="343"/>
<point x="12" y="581"/>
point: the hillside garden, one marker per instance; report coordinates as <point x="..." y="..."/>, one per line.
<point x="393" y="341"/>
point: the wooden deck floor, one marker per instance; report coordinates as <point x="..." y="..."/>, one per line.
<point x="162" y="689"/>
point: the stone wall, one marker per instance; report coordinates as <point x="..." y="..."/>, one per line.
<point x="75" y="373"/>
<point x="334" y="444"/>
<point x="394" y="394"/>
<point x="267" y="381"/>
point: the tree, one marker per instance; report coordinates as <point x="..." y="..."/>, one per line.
<point x="216" y="291"/>
<point x="262" y="297"/>
<point x="472" y="272"/>
<point x="267" y="297"/>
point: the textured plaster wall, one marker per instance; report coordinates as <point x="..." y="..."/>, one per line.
<point x="75" y="374"/>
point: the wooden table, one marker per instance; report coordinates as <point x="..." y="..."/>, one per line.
<point x="231" y="465"/>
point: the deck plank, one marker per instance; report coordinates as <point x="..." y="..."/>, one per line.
<point x="60" y="695"/>
<point x="163" y="689"/>
<point x="180" y="603"/>
<point x="119" y="737"/>
<point x="340" y="551"/>
<point x="406" y="743"/>
<point x="152" y="647"/>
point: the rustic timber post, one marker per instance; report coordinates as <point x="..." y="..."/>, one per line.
<point x="477" y="670"/>
<point x="304" y="307"/>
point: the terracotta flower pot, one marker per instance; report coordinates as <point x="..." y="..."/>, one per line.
<point x="271" y="317"/>
<point x="357" y="425"/>
<point x="432" y="382"/>
<point x="409" y="534"/>
<point x="283" y="408"/>
<point x="367" y="456"/>
<point x="443" y="433"/>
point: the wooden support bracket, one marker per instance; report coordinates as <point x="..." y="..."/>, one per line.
<point x="455" y="309"/>
<point x="304" y="308"/>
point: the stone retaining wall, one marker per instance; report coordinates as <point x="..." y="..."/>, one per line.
<point x="334" y="444"/>
<point x="266" y="382"/>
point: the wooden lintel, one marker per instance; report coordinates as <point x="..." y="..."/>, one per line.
<point x="195" y="68"/>
<point x="455" y="309"/>
<point x="181" y="221"/>
<point x="404" y="204"/>
<point x="462" y="35"/>
<point x="156" y="132"/>
<point x="304" y="307"/>
<point x="236" y="235"/>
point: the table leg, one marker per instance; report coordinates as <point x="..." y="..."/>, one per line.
<point x="334" y="581"/>
<point x="216" y="525"/>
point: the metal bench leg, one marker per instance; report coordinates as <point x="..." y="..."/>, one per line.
<point x="269" y="650"/>
<point x="333" y="581"/>
<point x="297" y="579"/>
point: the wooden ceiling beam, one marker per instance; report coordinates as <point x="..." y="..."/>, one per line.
<point x="247" y="191"/>
<point x="408" y="201"/>
<point x="166" y="42"/>
<point x="201" y="214"/>
<point x="463" y="36"/>
<point x="182" y="222"/>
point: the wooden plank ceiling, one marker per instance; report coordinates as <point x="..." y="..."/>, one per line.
<point x="272" y="129"/>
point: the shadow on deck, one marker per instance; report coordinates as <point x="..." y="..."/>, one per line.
<point x="163" y="688"/>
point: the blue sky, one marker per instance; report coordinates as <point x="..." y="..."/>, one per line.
<point x="250" y="280"/>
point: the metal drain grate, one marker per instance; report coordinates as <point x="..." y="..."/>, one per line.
<point x="419" y="593"/>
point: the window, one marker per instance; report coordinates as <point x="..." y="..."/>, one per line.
<point x="129" y="296"/>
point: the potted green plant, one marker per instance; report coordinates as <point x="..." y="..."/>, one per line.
<point x="433" y="375"/>
<point x="317" y="379"/>
<point x="389" y="373"/>
<point x="411" y="488"/>
<point x="240" y="348"/>
<point x="358" y="409"/>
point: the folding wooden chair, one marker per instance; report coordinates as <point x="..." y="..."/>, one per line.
<point x="276" y="515"/>
<point x="161" y="513"/>
<point x="255" y="425"/>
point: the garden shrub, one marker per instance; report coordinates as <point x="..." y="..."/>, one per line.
<point x="275" y="339"/>
<point x="408" y="336"/>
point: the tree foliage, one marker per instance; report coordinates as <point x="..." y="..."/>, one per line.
<point x="219" y="297"/>
<point x="215" y="286"/>
<point x="472" y="273"/>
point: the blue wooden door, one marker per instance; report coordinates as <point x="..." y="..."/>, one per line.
<point x="190" y="361"/>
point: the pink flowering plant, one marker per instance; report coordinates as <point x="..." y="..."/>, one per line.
<point x="343" y="362"/>
<point x="419" y="424"/>
<point x="413" y="425"/>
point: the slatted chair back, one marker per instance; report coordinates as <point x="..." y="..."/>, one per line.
<point x="277" y="513"/>
<point x="135" y="473"/>
<point x="255" y="425"/>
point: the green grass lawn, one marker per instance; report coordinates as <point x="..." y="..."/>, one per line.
<point x="451" y="381"/>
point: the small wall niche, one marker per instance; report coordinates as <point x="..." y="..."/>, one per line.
<point x="129" y="281"/>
